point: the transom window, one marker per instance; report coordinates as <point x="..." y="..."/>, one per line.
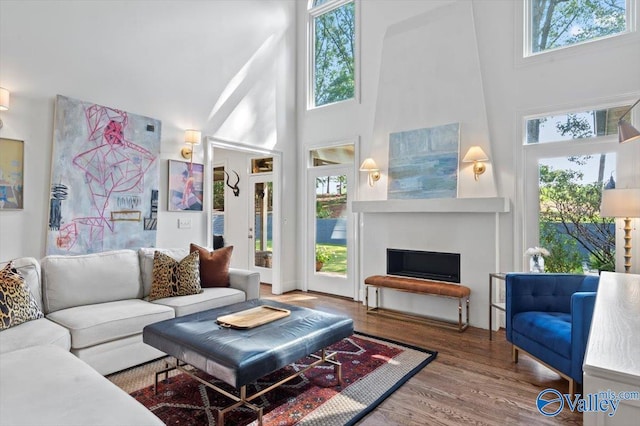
<point x="552" y="24"/>
<point x="578" y="125"/>
<point x="342" y="154"/>
<point x="332" y="46"/>
<point x="262" y="165"/>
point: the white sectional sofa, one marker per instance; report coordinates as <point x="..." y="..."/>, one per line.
<point x="47" y="385"/>
<point x="94" y="307"/>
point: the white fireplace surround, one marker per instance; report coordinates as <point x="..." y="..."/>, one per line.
<point x="469" y="226"/>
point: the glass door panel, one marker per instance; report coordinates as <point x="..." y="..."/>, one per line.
<point x="330" y="246"/>
<point x="331" y="225"/>
<point x="263" y="224"/>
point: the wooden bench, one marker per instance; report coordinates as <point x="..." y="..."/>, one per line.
<point x="419" y="286"/>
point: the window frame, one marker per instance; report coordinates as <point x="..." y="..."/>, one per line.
<point x="312" y="14"/>
<point x="523" y="37"/>
<point x="559" y="113"/>
<point x="526" y="223"/>
<point x="527" y="50"/>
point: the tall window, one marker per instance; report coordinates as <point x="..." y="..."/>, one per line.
<point x="572" y="155"/>
<point x="332" y="36"/>
<point x="557" y="23"/>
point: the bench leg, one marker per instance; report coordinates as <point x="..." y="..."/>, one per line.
<point x="366" y="296"/>
<point x="462" y="326"/>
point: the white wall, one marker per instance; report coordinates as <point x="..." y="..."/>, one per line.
<point x="583" y="76"/>
<point x="224" y="67"/>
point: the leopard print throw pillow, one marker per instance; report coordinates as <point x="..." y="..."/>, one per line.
<point x="173" y="278"/>
<point x="17" y="304"/>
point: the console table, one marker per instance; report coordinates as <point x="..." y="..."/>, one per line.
<point x="612" y="360"/>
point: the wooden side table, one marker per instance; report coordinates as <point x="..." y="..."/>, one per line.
<point x="501" y="306"/>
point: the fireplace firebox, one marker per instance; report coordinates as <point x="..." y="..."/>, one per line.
<point x="424" y="264"/>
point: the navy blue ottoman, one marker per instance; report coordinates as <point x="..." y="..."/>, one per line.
<point x="239" y="357"/>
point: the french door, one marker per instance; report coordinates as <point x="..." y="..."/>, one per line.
<point x="330" y="249"/>
<point x="261" y="235"/>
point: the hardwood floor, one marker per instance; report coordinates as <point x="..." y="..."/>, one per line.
<point x="472" y="380"/>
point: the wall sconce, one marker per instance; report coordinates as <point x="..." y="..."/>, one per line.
<point x="4" y="102"/>
<point x="626" y="132"/>
<point x="476" y="156"/>
<point x="191" y="138"/>
<point x="624" y="203"/>
<point x="371" y="167"/>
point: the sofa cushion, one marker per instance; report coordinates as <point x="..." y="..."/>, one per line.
<point x="549" y="329"/>
<point x="145" y="255"/>
<point x="175" y="278"/>
<point x="214" y="265"/>
<point x="70" y="281"/>
<point x="46" y="385"/>
<point x="17" y="304"/>
<point x="34" y="333"/>
<point x="209" y="298"/>
<point x="93" y="324"/>
<point x="116" y="355"/>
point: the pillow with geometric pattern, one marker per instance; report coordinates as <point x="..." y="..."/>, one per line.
<point x="17" y="304"/>
<point x="175" y="278"/>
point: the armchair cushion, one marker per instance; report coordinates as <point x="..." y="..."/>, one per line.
<point x="551" y="330"/>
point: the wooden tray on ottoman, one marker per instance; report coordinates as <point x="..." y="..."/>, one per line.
<point x="253" y="317"/>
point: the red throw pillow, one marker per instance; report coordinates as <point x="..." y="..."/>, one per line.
<point x="214" y="266"/>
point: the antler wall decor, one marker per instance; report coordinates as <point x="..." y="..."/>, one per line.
<point x="234" y="187"/>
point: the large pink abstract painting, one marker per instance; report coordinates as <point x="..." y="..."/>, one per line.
<point x="104" y="179"/>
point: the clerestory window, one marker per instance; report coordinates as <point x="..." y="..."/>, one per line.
<point x="552" y="24"/>
<point x="332" y="51"/>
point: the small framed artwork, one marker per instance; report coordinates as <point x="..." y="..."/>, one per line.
<point x="11" y="174"/>
<point x="186" y="182"/>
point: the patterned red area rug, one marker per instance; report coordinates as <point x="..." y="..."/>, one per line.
<point x="372" y="369"/>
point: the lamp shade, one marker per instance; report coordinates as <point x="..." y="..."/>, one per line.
<point x="369" y="165"/>
<point x="620" y="203"/>
<point x="475" y="153"/>
<point x="4" y="99"/>
<point x="192" y="137"/>
<point x="626" y="132"/>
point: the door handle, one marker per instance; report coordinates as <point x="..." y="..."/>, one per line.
<point x="250" y="237"/>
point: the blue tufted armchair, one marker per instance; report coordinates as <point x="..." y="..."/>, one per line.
<point x="549" y="317"/>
